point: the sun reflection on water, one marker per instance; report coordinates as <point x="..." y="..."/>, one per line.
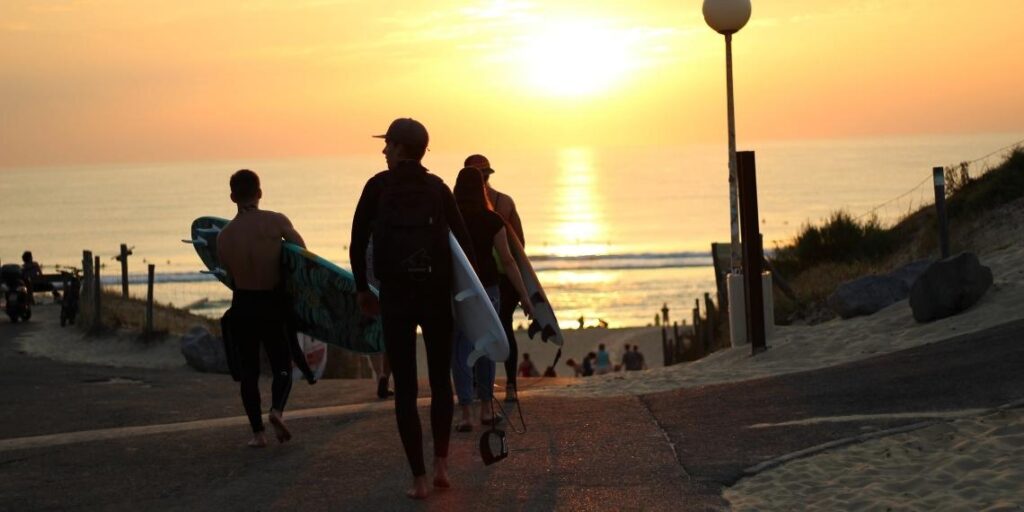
<point x="580" y="226"/>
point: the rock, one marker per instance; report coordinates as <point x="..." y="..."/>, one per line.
<point x="949" y="286"/>
<point x="866" y="295"/>
<point x="203" y="351"/>
<point x="911" y="271"/>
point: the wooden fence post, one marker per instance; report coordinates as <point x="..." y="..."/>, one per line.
<point x="86" y="297"/>
<point x="712" y="321"/>
<point x="97" y="294"/>
<point x="123" y="258"/>
<point x="149" y="300"/>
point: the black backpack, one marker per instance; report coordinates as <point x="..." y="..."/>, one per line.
<point x="410" y="236"/>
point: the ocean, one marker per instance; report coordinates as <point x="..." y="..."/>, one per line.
<point x="614" y="233"/>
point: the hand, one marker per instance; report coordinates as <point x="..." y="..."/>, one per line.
<point x="368" y="304"/>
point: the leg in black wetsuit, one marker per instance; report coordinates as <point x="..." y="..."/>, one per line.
<point x="402" y="309"/>
<point x="257" y="318"/>
<point x="507" y="308"/>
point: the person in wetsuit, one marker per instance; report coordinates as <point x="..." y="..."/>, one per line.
<point x="509" y="297"/>
<point x="249" y="249"/>
<point x="406" y="302"/>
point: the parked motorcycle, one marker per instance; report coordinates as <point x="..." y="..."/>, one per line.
<point x="19" y="303"/>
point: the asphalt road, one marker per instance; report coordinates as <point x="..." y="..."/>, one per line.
<point x="667" y="451"/>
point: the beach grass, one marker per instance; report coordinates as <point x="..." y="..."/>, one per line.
<point x="843" y="247"/>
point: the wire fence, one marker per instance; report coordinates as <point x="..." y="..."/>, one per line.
<point x="920" y="194"/>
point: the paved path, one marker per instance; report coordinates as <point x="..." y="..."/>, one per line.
<point x="666" y="451"/>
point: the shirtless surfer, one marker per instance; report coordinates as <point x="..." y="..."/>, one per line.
<point x="249" y="249"/>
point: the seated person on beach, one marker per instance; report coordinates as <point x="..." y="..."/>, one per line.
<point x="588" y="364"/>
<point x="526" y="368"/>
<point x="576" y="367"/>
<point x="249" y="249"/>
<point x="604" y="361"/>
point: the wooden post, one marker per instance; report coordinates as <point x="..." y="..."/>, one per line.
<point x="123" y="258"/>
<point x="97" y="294"/>
<point x="712" y="322"/>
<point x="149" y="300"/>
<point x="666" y="359"/>
<point x="938" y="175"/>
<point x="87" y="286"/>
<point x="752" y="252"/>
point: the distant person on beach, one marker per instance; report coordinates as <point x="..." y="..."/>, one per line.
<point x="664" y="313"/>
<point x="506" y="208"/>
<point x="603" y="363"/>
<point x="633" y="360"/>
<point x="588" y="364"/>
<point x="409" y="211"/>
<point x="577" y="368"/>
<point x="249" y="249"/>
<point x="489" y="236"/>
<point x="639" y="358"/>
<point x="30" y="270"/>
<point x="379" y="362"/>
<point x="527" y="368"/>
<point x="627" y="358"/>
<point x="580" y="320"/>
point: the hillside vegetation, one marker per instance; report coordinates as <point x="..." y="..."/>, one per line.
<point x="842" y="248"/>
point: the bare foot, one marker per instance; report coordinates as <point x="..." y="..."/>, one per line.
<point x="280" y="430"/>
<point x="441" y="480"/>
<point x="419" y="490"/>
<point x="258" y="440"/>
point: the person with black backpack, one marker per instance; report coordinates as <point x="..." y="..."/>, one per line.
<point x="409" y="213"/>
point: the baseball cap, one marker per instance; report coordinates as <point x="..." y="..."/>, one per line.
<point x="407" y="132"/>
<point x="475" y="161"/>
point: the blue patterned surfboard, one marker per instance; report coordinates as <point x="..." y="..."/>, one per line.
<point x="324" y="302"/>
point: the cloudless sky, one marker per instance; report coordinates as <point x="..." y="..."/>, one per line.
<point x="95" y="81"/>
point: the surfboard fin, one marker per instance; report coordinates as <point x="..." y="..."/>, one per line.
<point x="533" y="329"/>
<point x="198" y="242"/>
<point x="464" y="294"/>
<point x="547" y="333"/>
<point x="208" y="231"/>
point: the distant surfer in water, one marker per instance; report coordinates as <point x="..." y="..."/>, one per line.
<point x="249" y="249"/>
<point x="506" y="208"/>
<point x="409" y="212"/>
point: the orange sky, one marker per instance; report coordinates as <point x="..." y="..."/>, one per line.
<point x="122" y="80"/>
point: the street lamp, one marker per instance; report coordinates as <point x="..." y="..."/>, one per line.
<point x="727" y="17"/>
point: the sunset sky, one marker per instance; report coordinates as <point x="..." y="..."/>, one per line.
<point x="122" y="81"/>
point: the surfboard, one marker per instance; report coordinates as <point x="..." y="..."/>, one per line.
<point x="544" y="321"/>
<point x="474" y="314"/>
<point x="204" y="240"/>
<point x="322" y="294"/>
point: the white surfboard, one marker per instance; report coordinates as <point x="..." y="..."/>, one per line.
<point x="544" y="321"/>
<point x="474" y="314"/>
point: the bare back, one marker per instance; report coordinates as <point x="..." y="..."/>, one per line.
<point x="249" y="248"/>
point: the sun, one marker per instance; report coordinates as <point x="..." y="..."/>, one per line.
<point x="575" y="58"/>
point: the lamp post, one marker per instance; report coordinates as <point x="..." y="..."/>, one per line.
<point x="727" y="17"/>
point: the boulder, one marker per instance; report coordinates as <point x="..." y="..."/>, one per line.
<point x="204" y="351"/>
<point x="949" y="286"/>
<point x="911" y="271"/>
<point x="866" y="295"/>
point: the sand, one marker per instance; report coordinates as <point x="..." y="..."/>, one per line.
<point x="120" y="350"/>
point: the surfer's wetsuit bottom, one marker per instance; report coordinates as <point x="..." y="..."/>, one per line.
<point x="403" y="307"/>
<point x="506" y="309"/>
<point x="257" y="317"/>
